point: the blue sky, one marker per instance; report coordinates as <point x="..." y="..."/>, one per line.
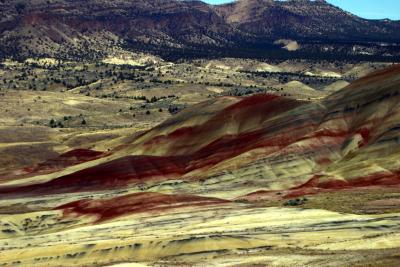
<point x="372" y="9"/>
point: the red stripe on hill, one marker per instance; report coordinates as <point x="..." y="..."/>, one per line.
<point x="135" y="203"/>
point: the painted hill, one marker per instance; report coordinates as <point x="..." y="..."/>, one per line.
<point x="222" y="177"/>
<point x="232" y="134"/>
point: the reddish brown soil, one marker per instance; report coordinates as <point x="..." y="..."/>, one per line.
<point x="65" y="160"/>
<point x="135" y="203"/>
<point x="113" y="174"/>
<point x="314" y="185"/>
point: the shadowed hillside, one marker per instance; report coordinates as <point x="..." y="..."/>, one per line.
<point x="189" y="29"/>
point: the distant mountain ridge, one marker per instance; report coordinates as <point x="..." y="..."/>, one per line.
<point x="94" y="28"/>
